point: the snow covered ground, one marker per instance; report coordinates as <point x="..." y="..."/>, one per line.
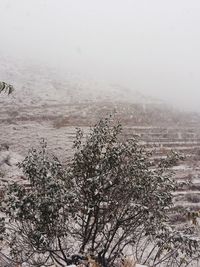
<point x="48" y="105"/>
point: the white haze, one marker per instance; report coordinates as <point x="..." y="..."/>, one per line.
<point x="148" y="45"/>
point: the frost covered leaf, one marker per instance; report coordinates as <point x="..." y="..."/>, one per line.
<point x="7" y="88"/>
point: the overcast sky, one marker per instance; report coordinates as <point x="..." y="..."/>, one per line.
<point x="149" y="45"/>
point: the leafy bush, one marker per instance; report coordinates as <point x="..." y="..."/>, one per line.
<point x="111" y="198"/>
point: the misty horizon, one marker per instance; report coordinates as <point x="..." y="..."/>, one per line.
<point x="147" y="46"/>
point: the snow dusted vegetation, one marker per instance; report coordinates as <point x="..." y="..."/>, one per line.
<point x="99" y="133"/>
<point x="50" y="105"/>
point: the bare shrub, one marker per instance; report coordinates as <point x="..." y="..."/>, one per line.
<point x="127" y="262"/>
<point x="178" y="218"/>
<point x="191" y="197"/>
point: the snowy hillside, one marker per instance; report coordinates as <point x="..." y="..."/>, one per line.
<point x="36" y="84"/>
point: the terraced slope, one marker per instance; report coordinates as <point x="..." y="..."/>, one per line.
<point x="51" y="105"/>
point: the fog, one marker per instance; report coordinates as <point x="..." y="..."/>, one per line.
<point x="148" y="45"/>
